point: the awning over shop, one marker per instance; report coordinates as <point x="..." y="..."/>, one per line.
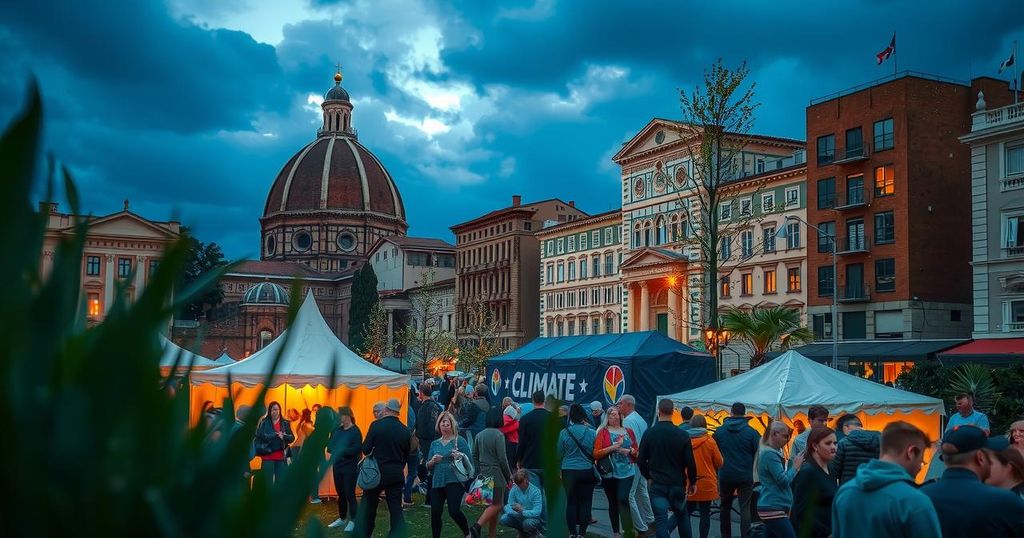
<point x="989" y="350"/>
<point x="878" y="349"/>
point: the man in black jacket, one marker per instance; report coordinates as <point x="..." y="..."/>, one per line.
<point x="426" y="430"/>
<point x="738" y="443"/>
<point x="529" y="453"/>
<point x="666" y="460"/>
<point x="476" y="412"/>
<point x="390" y="443"/>
<point x="858" y="447"/>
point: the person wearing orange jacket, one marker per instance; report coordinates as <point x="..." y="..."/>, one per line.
<point x="709" y="461"/>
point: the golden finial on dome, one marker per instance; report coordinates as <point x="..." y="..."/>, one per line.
<point x="337" y="74"/>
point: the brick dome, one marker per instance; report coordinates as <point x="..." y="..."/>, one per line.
<point x="335" y="172"/>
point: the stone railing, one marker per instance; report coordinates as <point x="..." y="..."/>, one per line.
<point x="983" y="119"/>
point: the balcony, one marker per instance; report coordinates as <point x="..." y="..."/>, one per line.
<point x="1011" y="183"/>
<point x="853" y="155"/>
<point x="851" y="245"/>
<point x="854" y="294"/>
<point x="1013" y="252"/>
<point x="984" y="119"/>
<point x="851" y="199"/>
<point x="1015" y="327"/>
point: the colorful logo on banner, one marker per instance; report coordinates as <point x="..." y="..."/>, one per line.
<point x="495" y="382"/>
<point x="614" y="384"/>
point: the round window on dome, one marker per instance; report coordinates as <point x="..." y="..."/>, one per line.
<point x="301" y="241"/>
<point x="271" y="245"/>
<point x="346" y="241"/>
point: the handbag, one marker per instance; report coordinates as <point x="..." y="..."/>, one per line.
<point x="369" y="473"/>
<point x="588" y="455"/>
<point x="481" y="493"/>
<point x="261" y="446"/>
<point x="604" y="465"/>
<point x="464" y="470"/>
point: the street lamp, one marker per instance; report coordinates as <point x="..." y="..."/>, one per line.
<point x="784" y="234"/>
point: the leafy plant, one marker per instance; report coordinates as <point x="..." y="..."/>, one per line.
<point x="764" y="329"/>
<point x="974" y="379"/>
<point x="360" y="310"/>
<point x="202" y="258"/>
<point x="98" y="444"/>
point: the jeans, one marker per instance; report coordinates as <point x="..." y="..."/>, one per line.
<point x="275" y="468"/>
<point x="779" y="527"/>
<point x="368" y="509"/>
<point x="728" y="491"/>
<point x="524" y="525"/>
<point x="345" y="483"/>
<point x="640" y="503"/>
<point x="704" y="508"/>
<point x="665" y="499"/>
<point x="452" y="493"/>
<point x="617" y="490"/>
<point x="412" y="463"/>
<point x="579" y="496"/>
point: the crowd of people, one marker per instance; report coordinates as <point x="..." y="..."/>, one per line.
<point x="845" y="481"/>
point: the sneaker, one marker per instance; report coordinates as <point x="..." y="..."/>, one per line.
<point x="336" y="523"/>
<point x="350" y="527"/>
<point x="315" y="500"/>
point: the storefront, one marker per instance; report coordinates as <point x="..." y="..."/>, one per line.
<point x="878" y="360"/>
<point x="990" y="351"/>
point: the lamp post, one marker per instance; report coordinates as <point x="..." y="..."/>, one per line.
<point x="714" y="340"/>
<point x="784" y="234"/>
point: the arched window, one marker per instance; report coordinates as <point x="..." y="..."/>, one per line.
<point x="265" y="338"/>
<point x="662" y="233"/>
<point x="647" y="233"/>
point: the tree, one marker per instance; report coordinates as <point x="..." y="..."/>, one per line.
<point x="765" y="329"/>
<point x="716" y="121"/>
<point x="375" y="340"/>
<point x="424" y="339"/>
<point x="364" y="298"/>
<point x="480" y="339"/>
<point x="202" y="258"/>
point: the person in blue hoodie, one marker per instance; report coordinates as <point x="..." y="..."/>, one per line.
<point x="882" y="500"/>
<point x="738" y="443"/>
<point x="776" y="499"/>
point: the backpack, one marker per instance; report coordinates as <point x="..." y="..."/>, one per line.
<point x="369" y="473"/>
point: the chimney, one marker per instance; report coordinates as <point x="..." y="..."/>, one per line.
<point x="48" y="208"/>
<point x="572" y="203"/>
<point x="517" y="200"/>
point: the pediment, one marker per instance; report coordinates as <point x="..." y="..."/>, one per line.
<point x="126" y="224"/>
<point x="1013" y="282"/>
<point x="649" y="256"/>
<point x="657" y="133"/>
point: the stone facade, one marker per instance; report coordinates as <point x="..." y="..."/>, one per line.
<point x="580" y="292"/>
<point x="498" y="255"/>
<point x="122" y="247"/>
<point x="996" y="143"/>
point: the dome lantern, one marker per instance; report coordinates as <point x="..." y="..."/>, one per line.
<point x="337" y="110"/>
<point x="266" y="294"/>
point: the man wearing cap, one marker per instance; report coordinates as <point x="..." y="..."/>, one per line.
<point x="967" y="507"/>
<point x="596" y="413"/>
<point x="390" y="442"/>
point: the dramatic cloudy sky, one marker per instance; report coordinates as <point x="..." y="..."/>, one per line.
<point x="190" y="107"/>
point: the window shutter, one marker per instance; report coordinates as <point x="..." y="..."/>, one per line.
<point x="1010" y="232"/>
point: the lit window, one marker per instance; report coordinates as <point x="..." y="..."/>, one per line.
<point x="769" y="281"/>
<point x="794" y="279"/>
<point x="885" y="180"/>
<point x="95" y="307"/>
<point x="747" y="284"/>
<point x="723" y="287"/>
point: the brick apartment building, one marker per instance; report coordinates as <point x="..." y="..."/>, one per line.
<point x="497" y="261"/>
<point x="889" y="179"/>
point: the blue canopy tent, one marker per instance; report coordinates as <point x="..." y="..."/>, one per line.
<point x="582" y="369"/>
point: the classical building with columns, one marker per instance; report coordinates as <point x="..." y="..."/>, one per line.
<point x="661" y="273"/>
<point x="120" y="248"/>
<point x="580" y="292"/>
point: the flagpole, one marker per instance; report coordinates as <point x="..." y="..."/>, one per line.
<point x="895" y="61"/>
<point x="1016" y="76"/>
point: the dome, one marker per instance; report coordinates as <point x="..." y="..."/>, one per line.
<point x="266" y="293"/>
<point x="335" y="172"/>
<point x="336" y="93"/>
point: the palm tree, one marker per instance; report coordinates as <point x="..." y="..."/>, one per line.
<point x="766" y="328"/>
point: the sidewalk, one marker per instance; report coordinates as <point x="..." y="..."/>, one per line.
<point x="603" y="525"/>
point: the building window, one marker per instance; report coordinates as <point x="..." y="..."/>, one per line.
<point x="746" y="284"/>
<point x="768" y="233"/>
<point x="723" y="286"/>
<point x="572" y="243"/>
<point x="827" y="193"/>
<point x="302" y="241"/>
<point x="583" y="268"/>
<point x="92" y="266"/>
<point x="793" y="280"/>
<point x="826" y="149"/>
<point x="854" y="235"/>
<point x="597" y="266"/>
<point x="767" y="202"/>
<point x="725" y="210"/>
<point x="153" y="264"/>
<point x="551" y="248"/>
<point x="265" y="338"/>
<point x="855" y="189"/>
<point x="884" y="136"/>
<point x="746" y="207"/>
<point x="607" y="236"/>
<point x="769" y="281"/>
<point x="759" y="166"/>
<point x="854" y="142"/>
<point x="826" y="281"/>
<point x="583" y="241"/>
<point x="726" y="249"/>
<point x="95" y="308"/>
<point x="792" y="235"/>
<point x="792" y="197"/>
<point x="609" y="264"/>
<point x="826" y="235"/>
<point x="661" y="232"/>
<point x="527" y="225"/>
<point x="885" y="180"/>
<point x="746" y="244"/>
<point x="124" y="267"/>
<point x="572" y="270"/>
<point x="822" y="325"/>
<point x="560" y="248"/>
<point x="609" y="325"/>
<point x="551" y="273"/>
<point x="595" y="325"/>
<point x="884" y="228"/>
<point x="595" y="239"/>
<point x="885" y="275"/>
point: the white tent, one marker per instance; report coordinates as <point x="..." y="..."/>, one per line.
<point x="173" y="353"/>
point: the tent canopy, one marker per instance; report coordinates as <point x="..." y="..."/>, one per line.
<point x="309" y="353"/>
<point x="604" y="346"/>
<point x="173" y="353"/>
<point x="788" y="385"/>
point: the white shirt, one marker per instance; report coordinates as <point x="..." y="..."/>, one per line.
<point x="636" y="423"/>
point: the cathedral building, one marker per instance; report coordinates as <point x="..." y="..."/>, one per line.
<point x="329" y="204"/>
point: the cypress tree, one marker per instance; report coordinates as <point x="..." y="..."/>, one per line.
<point x="364" y="298"/>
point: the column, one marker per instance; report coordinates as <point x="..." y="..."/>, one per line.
<point x="645" y="307"/>
<point x="391" y="331"/>
<point x="108" y="285"/>
<point x="673" y="313"/>
<point x="140" y="275"/>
